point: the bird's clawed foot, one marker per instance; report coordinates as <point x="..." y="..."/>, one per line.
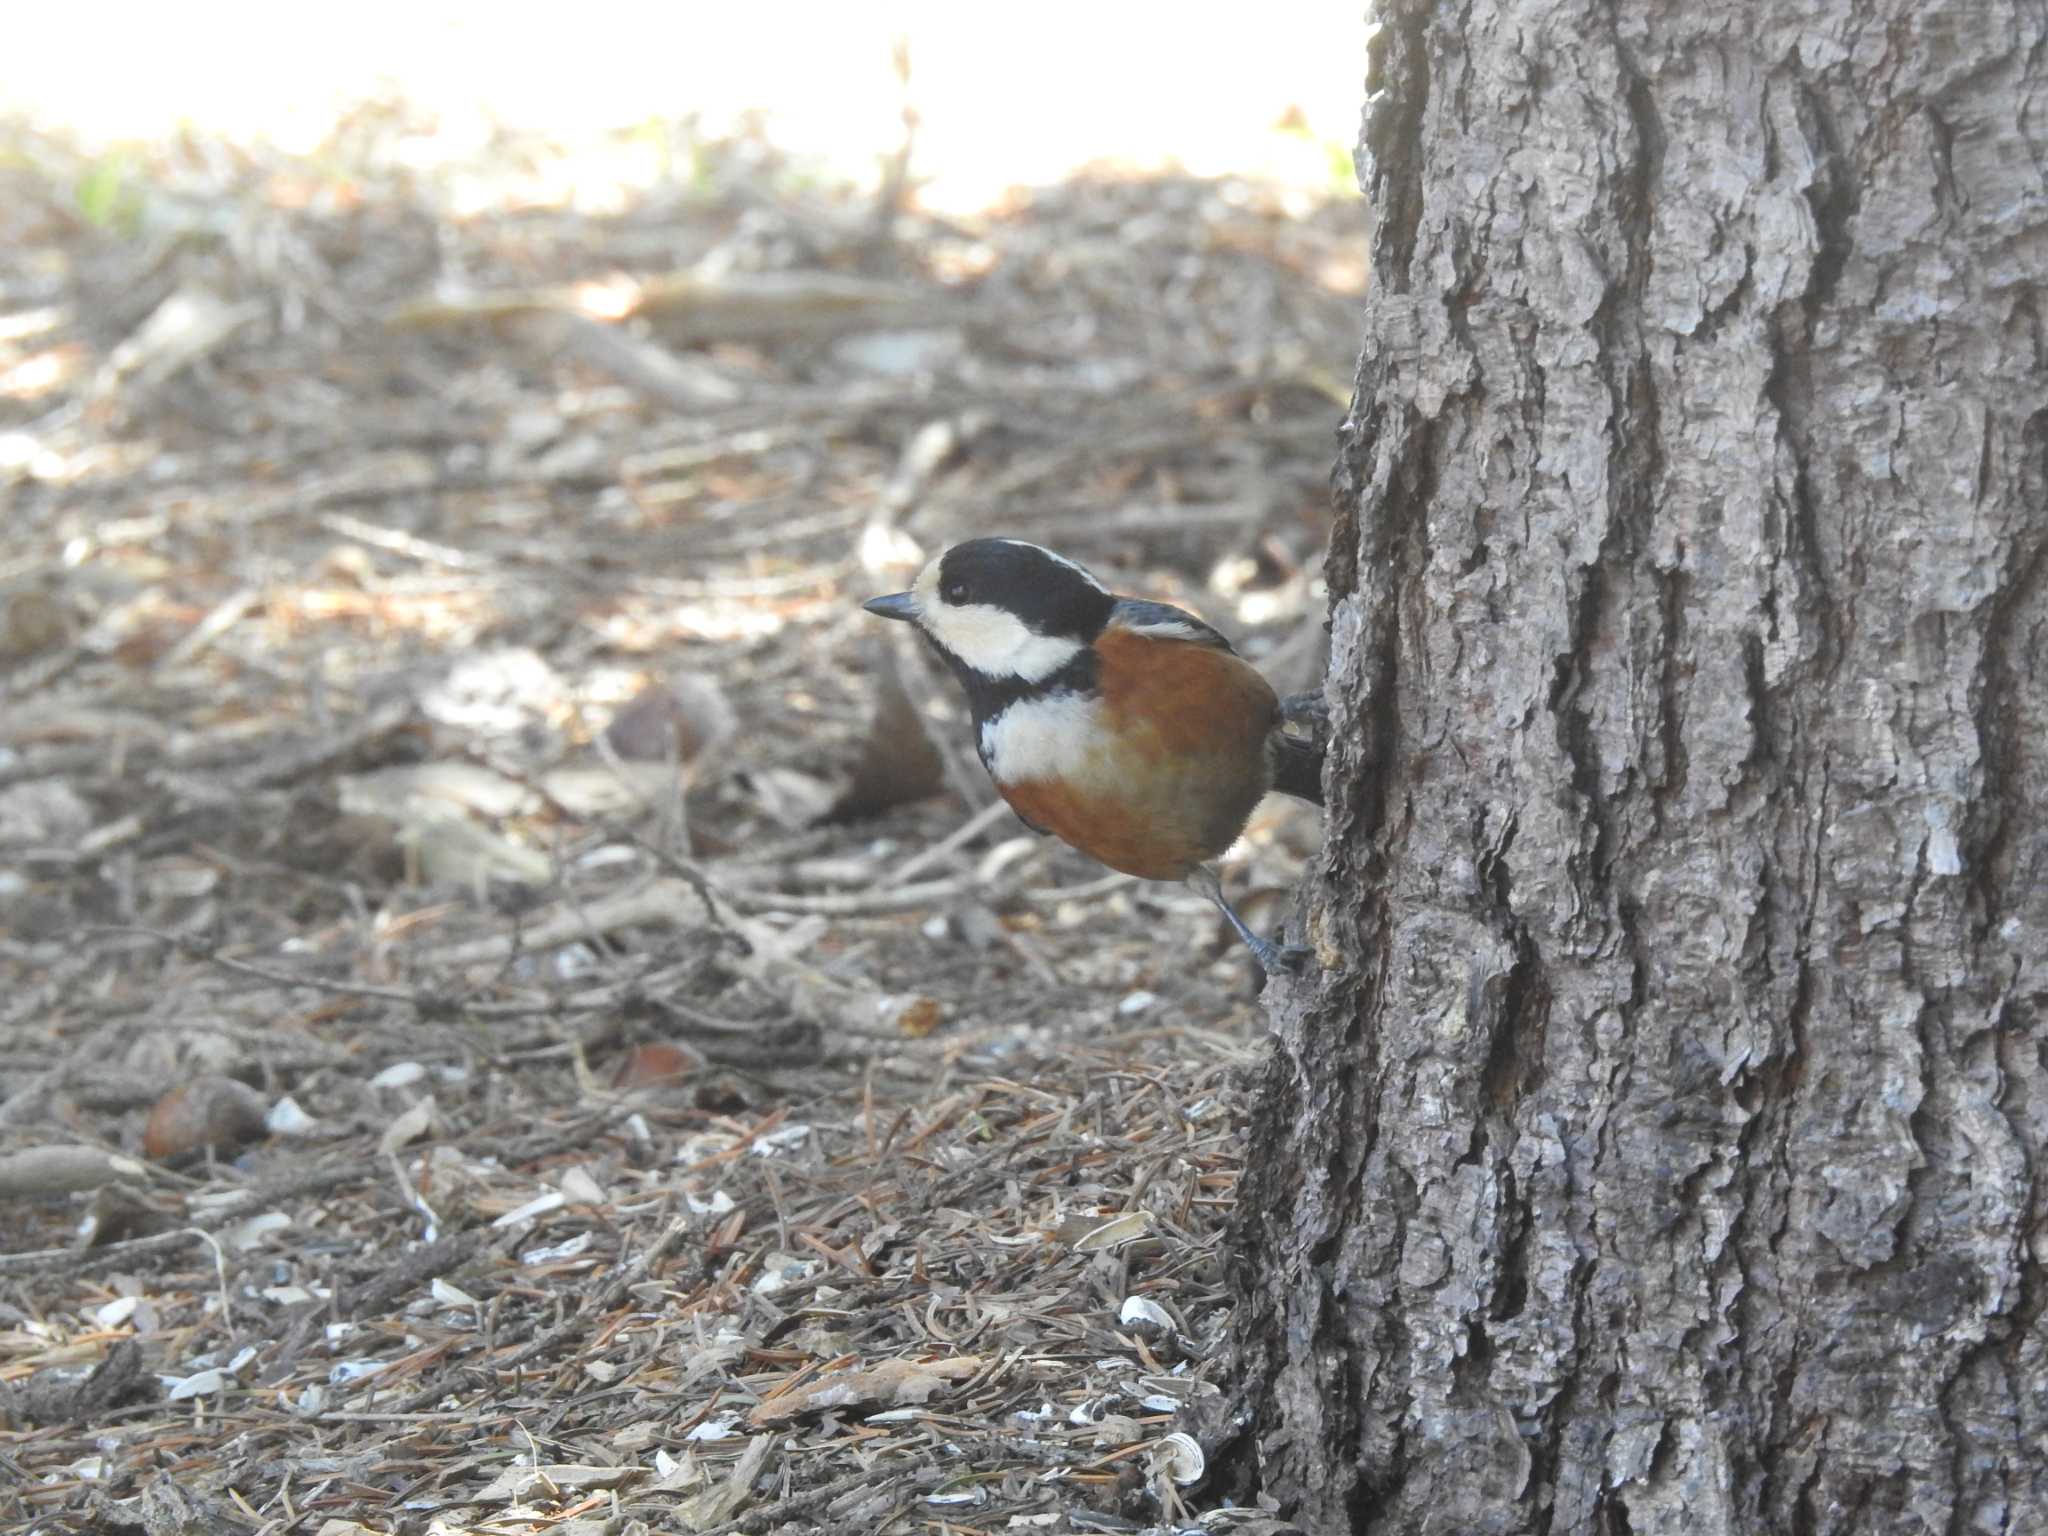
<point x="1308" y="713"/>
<point x="1284" y="959"/>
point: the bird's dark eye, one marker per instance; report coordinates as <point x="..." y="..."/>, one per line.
<point x="954" y="592"/>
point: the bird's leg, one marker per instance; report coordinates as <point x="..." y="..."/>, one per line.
<point x="1272" y="957"/>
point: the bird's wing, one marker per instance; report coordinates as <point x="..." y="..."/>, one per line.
<point x="1163" y="621"/>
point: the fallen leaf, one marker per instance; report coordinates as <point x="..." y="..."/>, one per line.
<point x="209" y="1113"/>
<point x="888" y="1384"/>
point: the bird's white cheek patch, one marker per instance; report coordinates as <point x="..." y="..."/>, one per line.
<point x="1049" y="738"/>
<point x="996" y="643"/>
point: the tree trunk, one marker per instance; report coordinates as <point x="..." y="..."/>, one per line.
<point x="1662" y="1149"/>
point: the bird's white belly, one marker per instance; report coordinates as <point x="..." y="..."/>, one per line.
<point x="1049" y="738"/>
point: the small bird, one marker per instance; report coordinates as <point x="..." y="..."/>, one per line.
<point x="1128" y="729"/>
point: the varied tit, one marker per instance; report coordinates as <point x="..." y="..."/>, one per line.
<point x="1128" y="729"/>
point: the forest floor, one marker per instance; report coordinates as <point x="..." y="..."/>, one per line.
<point x="518" y="1010"/>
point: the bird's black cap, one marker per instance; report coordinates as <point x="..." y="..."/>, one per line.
<point x="1051" y="595"/>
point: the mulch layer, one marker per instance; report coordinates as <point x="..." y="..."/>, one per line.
<point x="519" y="1011"/>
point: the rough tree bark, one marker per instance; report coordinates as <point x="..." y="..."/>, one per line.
<point x="1663" y="1149"/>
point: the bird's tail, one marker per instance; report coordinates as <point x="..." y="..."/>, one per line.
<point x="1298" y="758"/>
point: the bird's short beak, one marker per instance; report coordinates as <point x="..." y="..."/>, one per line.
<point x="897" y="605"/>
